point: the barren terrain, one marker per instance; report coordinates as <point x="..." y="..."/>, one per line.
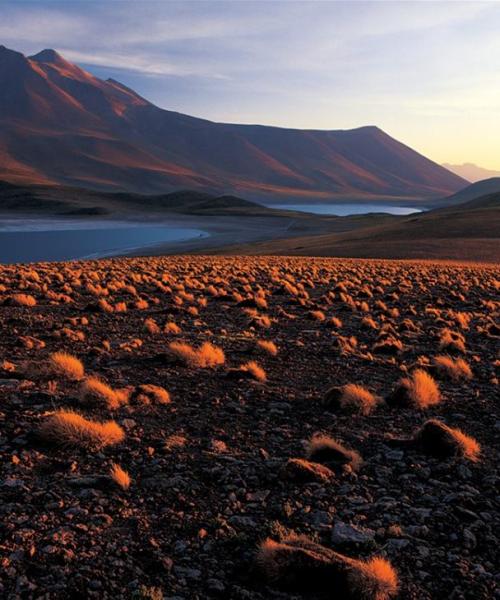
<point x="176" y="493"/>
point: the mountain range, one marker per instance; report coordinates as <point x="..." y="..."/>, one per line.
<point x="61" y="125"/>
<point x="471" y="172"/>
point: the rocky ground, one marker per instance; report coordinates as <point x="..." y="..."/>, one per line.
<point x="207" y="481"/>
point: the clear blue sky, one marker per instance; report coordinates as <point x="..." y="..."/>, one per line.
<point x="426" y="72"/>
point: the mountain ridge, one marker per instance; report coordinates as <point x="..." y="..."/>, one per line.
<point x="60" y="124"/>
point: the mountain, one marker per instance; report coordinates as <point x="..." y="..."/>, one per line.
<point x="468" y="232"/>
<point x="471" y="172"/>
<point x="61" y="125"/>
<point x="473" y="191"/>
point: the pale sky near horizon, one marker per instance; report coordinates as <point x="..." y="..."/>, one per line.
<point x="426" y="72"/>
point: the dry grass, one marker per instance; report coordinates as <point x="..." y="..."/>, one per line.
<point x="22" y="300"/>
<point x="120" y="476"/>
<point x="65" y="366"/>
<point x="148" y="393"/>
<point x="95" y="391"/>
<point x="207" y="355"/>
<point x="68" y="428"/>
<point x="267" y="347"/>
<point x="299" y="565"/>
<point x="328" y="451"/>
<point x="351" y="398"/>
<point x="254" y="370"/>
<point x="451" y="341"/>
<point x="419" y="391"/>
<point x="439" y="440"/>
<point x="454" y="369"/>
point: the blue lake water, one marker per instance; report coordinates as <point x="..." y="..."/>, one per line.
<point x="343" y="210"/>
<point x="44" y="240"/>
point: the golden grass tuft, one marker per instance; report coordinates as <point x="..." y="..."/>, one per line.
<point x="351" y="398"/>
<point x="148" y="393"/>
<point x="420" y="391"/>
<point x="439" y="440"/>
<point x="95" y="391"/>
<point x="120" y="476"/>
<point x="267" y="347"/>
<point x="207" y="355"/>
<point x="330" y="452"/>
<point x="299" y="565"/>
<point x="22" y="300"/>
<point x="254" y="370"/>
<point x="454" y="369"/>
<point x="65" y="366"/>
<point x="68" y="428"/>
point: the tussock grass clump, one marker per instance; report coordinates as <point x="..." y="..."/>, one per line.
<point x="148" y="393"/>
<point x="172" y="327"/>
<point x="327" y="451"/>
<point x="454" y="369"/>
<point x="298" y="564"/>
<point x="68" y="428"/>
<point x="65" y="366"/>
<point x="317" y="315"/>
<point x="418" y="391"/>
<point x="304" y="471"/>
<point x="95" y="391"/>
<point x="120" y="476"/>
<point x="207" y="355"/>
<point x="267" y="347"/>
<point x="350" y="398"/>
<point x="439" y="440"/>
<point x="253" y="370"/>
<point x="388" y="345"/>
<point x="451" y="341"/>
<point x="21" y="300"/>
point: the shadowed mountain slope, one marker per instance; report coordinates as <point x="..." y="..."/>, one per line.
<point x="61" y="125"/>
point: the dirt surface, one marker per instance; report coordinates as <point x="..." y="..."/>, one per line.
<point x="206" y="469"/>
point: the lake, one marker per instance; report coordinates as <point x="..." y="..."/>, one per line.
<point x="343" y="210"/>
<point x="46" y="240"/>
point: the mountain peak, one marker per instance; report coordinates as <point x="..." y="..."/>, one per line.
<point x="48" y="56"/>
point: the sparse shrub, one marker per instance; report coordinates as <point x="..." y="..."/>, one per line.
<point x="451" y="341"/>
<point x="95" y="391"/>
<point x="120" y="476"/>
<point x="151" y="326"/>
<point x="171" y="327"/>
<point x="68" y="428"/>
<point x="267" y="347"/>
<point x="62" y="365"/>
<point x="254" y="371"/>
<point x="439" y="440"/>
<point x="350" y="397"/>
<point x="148" y="393"/>
<point x="327" y="451"/>
<point x="454" y="369"/>
<point x="21" y="300"/>
<point x="299" y="565"/>
<point x="207" y="355"/>
<point x="418" y="391"/>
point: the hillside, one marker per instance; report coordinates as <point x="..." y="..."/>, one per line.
<point x="52" y="200"/>
<point x="473" y="191"/>
<point x="470" y="231"/>
<point x="60" y="124"/>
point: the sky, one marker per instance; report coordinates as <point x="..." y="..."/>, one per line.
<point x="426" y="72"/>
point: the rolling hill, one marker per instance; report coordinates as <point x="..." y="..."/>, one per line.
<point x="467" y="232"/>
<point x="61" y="125"/>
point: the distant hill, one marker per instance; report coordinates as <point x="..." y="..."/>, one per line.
<point x="50" y="200"/>
<point x="471" y="172"/>
<point x="61" y="125"/>
<point x="475" y="190"/>
<point x="469" y="231"/>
